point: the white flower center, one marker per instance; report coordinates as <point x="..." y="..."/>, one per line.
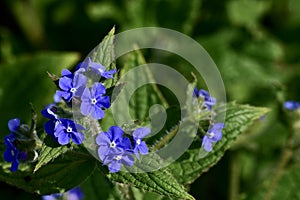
<point x="100" y="70"/>
<point x="118" y="157"/>
<point x="12" y="153"/>
<point x="112" y="144"/>
<point x="138" y="141"/>
<point x="210" y="135"/>
<point x="69" y="129"/>
<point x="94" y="101"/>
<point x="73" y="90"/>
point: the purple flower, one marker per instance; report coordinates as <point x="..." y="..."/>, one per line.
<point x="73" y="194"/>
<point x="139" y="145"/>
<point x="93" y="101"/>
<point x="71" y="87"/>
<point x="50" y="113"/>
<point x="213" y="135"/>
<point x="67" y="73"/>
<point x="97" y="68"/>
<point x="292" y="105"/>
<point x="12" y="154"/>
<point x="110" y="142"/>
<point x="14" y="124"/>
<point x="115" y="161"/>
<point x="208" y="100"/>
<point x="66" y="129"/>
<point x="114" y="149"/>
<point x="55" y="196"/>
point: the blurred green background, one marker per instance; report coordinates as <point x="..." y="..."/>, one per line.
<point x="255" y="44"/>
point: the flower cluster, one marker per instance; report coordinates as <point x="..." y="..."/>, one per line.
<point x="61" y="129"/>
<point x="74" y="87"/>
<point x="116" y="150"/>
<point x="15" y="141"/>
<point x="214" y="134"/>
<point x="292" y="105"/>
<point x="73" y="194"/>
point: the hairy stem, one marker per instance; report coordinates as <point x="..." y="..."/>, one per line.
<point x="284" y="159"/>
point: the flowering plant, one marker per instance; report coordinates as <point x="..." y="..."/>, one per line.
<point x="84" y="144"/>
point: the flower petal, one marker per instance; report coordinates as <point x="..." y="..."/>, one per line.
<point x="14" y="165"/>
<point x="63" y="138"/>
<point x="77" y="137"/>
<point x="116" y="132"/>
<point x="96" y="112"/>
<point x="13" y="124"/>
<point x="206" y="144"/>
<point x="141" y="132"/>
<point x="65" y="83"/>
<point x="114" y="166"/>
<point x="104" y="101"/>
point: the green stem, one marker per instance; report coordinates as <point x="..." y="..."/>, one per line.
<point x="234" y="177"/>
<point x="284" y="159"/>
<point x="126" y="191"/>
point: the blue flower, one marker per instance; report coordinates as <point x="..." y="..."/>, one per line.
<point x="50" y="113"/>
<point x="115" y="161"/>
<point x="208" y="100"/>
<point x="139" y="145"/>
<point x="114" y="149"/>
<point x="66" y="129"/>
<point x="67" y="73"/>
<point x="97" y="68"/>
<point x="292" y="105"/>
<point x="12" y="154"/>
<point x="93" y="101"/>
<point x="13" y="125"/>
<point x="71" y="87"/>
<point x="213" y="135"/>
<point x="110" y="142"/>
<point x="73" y="194"/>
<point x="55" y="196"/>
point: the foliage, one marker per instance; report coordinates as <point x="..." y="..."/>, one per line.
<point x="255" y="45"/>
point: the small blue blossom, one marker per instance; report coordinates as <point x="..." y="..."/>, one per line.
<point x="139" y="145"/>
<point x="115" y="161"/>
<point x="114" y="149"/>
<point x="93" y="101"/>
<point x="97" y="68"/>
<point x="208" y="100"/>
<point x="110" y="142"/>
<point x="213" y="135"/>
<point x="71" y="87"/>
<point x="66" y="129"/>
<point x="50" y="113"/>
<point x="55" y="196"/>
<point x="12" y="154"/>
<point x="292" y="105"/>
<point x="67" y="73"/>
<point x="73" y="194"/>
<point x="13" y="125"/>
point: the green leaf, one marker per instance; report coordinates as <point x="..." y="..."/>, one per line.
<point x="26" y="81"/>
<point x="49" y="153"/>
<point x="63" y="173"/>
<point x="137" y="80"/>
<point x="238" y="118"/>
<point x="160" y="181"/>
<point x="286" y="188"/>
<point x="243" y="12"/>
<point x="104" y="52"/>
<point x="97" y="186"/>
